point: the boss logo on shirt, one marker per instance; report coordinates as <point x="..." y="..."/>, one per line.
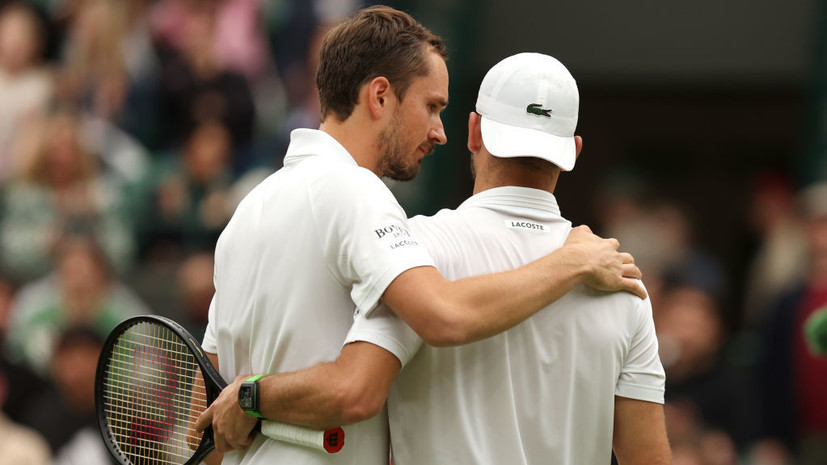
<point x="399" y="236"/>
<point x="526" y="225"/>
<point x="394" y="230"/>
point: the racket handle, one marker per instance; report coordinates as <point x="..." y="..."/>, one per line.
<point x="330" y="441"/>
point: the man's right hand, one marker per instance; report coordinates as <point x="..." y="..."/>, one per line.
<point x="606" y="268"/>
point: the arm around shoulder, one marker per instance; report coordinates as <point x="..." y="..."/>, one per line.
<point x="448" y="313"/>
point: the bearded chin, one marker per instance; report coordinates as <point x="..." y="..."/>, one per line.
<point x="394" y="164"/>
<point x="400" y="171"/>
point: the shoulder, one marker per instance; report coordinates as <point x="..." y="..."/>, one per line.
<point x="326" y="174"/>
<point x="347" y="175"/>
<point x="620" y="304"/>
<point x="444" y="220"/>
<point x="348" y="186"/>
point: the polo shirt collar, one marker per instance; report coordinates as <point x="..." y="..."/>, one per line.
<point x="515" y="200"/>
<point x="306" y="143"/>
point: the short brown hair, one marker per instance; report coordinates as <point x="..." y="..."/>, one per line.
<point x="377" y="41"/>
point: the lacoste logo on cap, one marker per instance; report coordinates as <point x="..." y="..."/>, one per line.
<point x="537" y="109"/>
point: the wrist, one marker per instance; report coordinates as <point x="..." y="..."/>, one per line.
<point x="249" y="396"/>
<point x="576" y="261"/>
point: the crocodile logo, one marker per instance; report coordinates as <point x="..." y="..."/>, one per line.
<point x="537" y="109"/>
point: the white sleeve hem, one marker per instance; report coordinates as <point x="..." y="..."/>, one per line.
<point x="366" y="301"/>
<point x="388" y="343"/>
<point x="639" y="392"/>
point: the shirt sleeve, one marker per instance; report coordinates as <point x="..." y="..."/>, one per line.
<point x="383" y="328"/>
<point x="210" y="344"/>
<point x="642" y="376"/>
<point x="365" y="232"/>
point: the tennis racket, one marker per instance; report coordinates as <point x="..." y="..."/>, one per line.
<point x="153" y="381"/>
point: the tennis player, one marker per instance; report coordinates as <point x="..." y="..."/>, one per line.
<point x="324" y="234"/>
<point x="567" y="385"/>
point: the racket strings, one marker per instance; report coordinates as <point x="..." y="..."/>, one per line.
<point x="152" y="395"/>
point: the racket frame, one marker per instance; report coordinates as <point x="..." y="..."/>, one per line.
<point x="213" y="383"/>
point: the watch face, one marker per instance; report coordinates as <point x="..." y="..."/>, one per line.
<point x="246" y="396"/>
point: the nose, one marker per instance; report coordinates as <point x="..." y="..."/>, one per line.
<point x="437" y="133"/>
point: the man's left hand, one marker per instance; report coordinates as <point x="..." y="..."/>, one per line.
<point x="232" y="427"/>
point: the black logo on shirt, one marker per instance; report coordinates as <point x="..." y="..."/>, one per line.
<point x="397" y="233"/>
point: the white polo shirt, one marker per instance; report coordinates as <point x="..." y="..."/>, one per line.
<point x="307" y="244"/>
<point x="541" y="392"/>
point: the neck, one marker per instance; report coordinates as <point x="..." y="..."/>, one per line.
<point x="356" y="138"/>
<point x="492" y="172"/>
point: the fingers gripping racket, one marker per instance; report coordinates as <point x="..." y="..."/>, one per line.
<point x="149" y="392"/>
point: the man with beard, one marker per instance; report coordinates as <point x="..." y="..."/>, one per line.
<point x="324" y="234"/>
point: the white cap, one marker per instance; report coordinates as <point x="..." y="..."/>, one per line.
<point x="529" y="104"/>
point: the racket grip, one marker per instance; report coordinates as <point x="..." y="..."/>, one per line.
<point x="330" y="441"/>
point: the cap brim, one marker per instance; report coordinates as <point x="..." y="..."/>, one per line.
<point x="506" y="141"/>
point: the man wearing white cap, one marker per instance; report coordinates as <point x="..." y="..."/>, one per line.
<point x="566" y="386"/>
<point x="574" y="381"/>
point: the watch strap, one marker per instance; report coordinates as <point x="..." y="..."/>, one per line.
<point x="254" y="379"/>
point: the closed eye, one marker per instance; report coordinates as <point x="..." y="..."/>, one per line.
<point x="437" y="106"/>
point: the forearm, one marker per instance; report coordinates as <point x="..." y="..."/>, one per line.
<point x="661" y="454"/>
<point x="310" y="397"/>
<point x="452" y="313"/>
<point x="489" y="304"/>
<point x="351" y="389"/>
<point x="446" y="313"/>
<point x="640" y="433"/>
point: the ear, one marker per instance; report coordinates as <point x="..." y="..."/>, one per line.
<point x="474" y="132"/>
<point x="578" y="146"/>
<point x="379" y="95"/>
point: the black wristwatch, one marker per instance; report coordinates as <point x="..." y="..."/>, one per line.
<point x="248" y="396"/>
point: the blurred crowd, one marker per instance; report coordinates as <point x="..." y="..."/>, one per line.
<point x="130" y="130"/>
<point x="742" y="384"/>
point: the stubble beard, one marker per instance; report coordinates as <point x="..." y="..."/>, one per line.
<point x="473" y="168"/>
<point x="395" y="164"/>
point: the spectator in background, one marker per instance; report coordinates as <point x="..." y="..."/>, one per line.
<point x="781" y="255"/>
<point x="189" y="197"/>
<point x="793" y="380"/>
<point x="705" y="394"/>
<point x="26" y="84"/>
<point x="195" y="284"/>
<point x="239" y="47"/>
<point x="60" y="190"/>
<point x="143" y="66"/>
<point x="112" y="90"/>
<point x="65" y="414"/>
<point x="314" y="19"/>
<point x="82" y="291"/>
<point x="196" y="88"/>
<point x="19" y="445"/>
<point x="93" y="70"/>
<point x="108" y="64"/>
<point x="238" y="39"/>
<point x="660" y="236"/>
<point x="22" y="384"/>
